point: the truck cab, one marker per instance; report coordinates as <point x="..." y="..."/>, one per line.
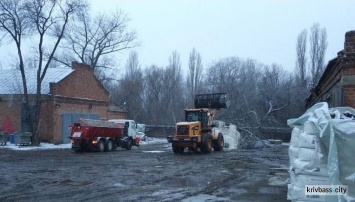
<point x="130" y="127"/>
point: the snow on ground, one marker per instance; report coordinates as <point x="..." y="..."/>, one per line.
<point x="154" y="140"/>
<point x="231" y="138"/>
<point x="41" y="146"/>
<point x="44" y="146"/>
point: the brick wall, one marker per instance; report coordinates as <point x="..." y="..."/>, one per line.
<point x="349" y="49"/>
<point x="11" y="106"/>
<point x="80" y="108"/>
<point x="116" y="115"/>
<point x="349" y="96"/>
<point x="81" y="83"/>
<point x="337" y="84"/>
<point x="349" y="44"/>
<point x="46" y="121"/>
<point x="78" y="93"/>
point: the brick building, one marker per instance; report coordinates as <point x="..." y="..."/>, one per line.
<point x="67" y="94"/>
<point x="337" y="84"/>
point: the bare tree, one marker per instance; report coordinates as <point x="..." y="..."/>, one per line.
<point x="318" y="46"/>
<point x="46" y="20"/>
<point x="132" y="86"/>
<point x="271" y="91"/>
<point x="94" y="41"/>
<point x="195" y="73"/>
<point x="301" y="62"/>
<point x="172" y="93"/>
<point x="153" y="96"/>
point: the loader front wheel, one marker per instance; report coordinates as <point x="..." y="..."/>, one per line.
<point x="219" y="143"/>
<point x="206" y="143"/>
<point x="177" y="149"/>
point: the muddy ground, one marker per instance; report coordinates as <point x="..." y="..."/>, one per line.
<point x="148" y="173"/>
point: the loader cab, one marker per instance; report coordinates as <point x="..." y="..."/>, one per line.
<point x="192" y="115"/>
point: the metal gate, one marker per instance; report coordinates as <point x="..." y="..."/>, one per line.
<point x="68" y="119"/>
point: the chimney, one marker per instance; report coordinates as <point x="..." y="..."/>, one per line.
<point x="349" y="45"/>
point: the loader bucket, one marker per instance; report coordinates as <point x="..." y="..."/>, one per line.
<point x="213" y="100"/>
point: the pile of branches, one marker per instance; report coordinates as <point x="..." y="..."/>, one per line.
<point x="250" y="139"/>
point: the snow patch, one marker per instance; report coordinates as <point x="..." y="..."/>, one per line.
<point x="46" y="146"/>
<point x="153" y="140"/>
<point x="42" y="146"/>
<point x="230" y="134"/>
<point x="277" y="181"/>
<point x="119" y="185"/>
<point x="351" y="177"/>
<point x="153" y="151"/>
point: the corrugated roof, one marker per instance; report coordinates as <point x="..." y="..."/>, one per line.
<point x="11" y="81"/>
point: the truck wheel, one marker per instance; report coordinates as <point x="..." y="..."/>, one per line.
<point x="177" y="149"/>
<point x="114" y="146"/>
<point x="219" y="143"/>
<point x="101" y="146"/>
<point x="129" y="144"/>
<point x="206" y="143"/>
<point x="192" y="149"/>
<point x="109" y="146"/>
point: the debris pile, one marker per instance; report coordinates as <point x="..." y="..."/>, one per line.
<point x="250" y="140"/>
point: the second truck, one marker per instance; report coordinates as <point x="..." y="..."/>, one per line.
<point x="198" y="130"/>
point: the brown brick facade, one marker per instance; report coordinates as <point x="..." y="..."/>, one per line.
<point x="337" y="84"/>
<point x="80" y="93"/>
<point x="82" y="83"/>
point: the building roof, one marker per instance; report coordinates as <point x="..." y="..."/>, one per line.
<point x="11" y="81"/>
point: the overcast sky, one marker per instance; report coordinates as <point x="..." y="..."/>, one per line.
<point x="265" y="30"/>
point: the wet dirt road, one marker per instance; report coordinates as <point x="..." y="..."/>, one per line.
<point x="148" y="173"/>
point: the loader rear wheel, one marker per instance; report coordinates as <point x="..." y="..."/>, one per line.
<point x="219" y="143"/>
<point x="206" y="143"/>
<point x="177" y="149"/>
<point x="101" y="146"/>
<point x="109" y="146"/>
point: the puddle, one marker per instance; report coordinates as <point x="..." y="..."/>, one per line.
<point x="237" y="191"/>
<point x="204" y="198"/>
<point x="268" y="190"/>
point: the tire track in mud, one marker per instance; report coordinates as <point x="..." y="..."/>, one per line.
<point x="134" y="175"/>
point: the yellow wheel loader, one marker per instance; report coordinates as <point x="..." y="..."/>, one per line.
<point x="197" y="131"/>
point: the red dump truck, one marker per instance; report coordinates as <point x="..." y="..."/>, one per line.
<point x="98" y="135"/>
